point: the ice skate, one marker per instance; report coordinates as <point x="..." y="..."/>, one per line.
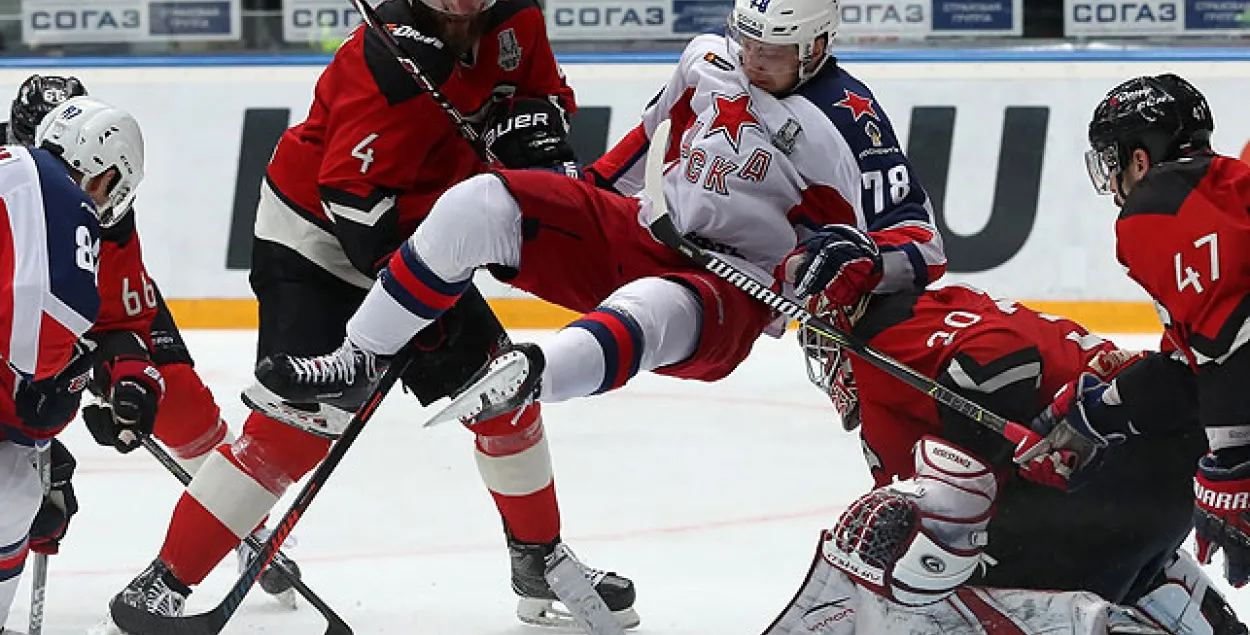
<point x="272" y="581"/>
<point x="318" y="394"/>
<point x="509" y="382"/>
<point x="154" y="593"/>
<point x="532" y="565"/>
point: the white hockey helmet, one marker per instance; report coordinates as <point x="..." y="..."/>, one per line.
<point x="92" y="136"/>
<point x="797" y="22"/>
<point x="462" y="8"/>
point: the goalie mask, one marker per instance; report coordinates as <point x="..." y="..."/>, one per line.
<point x="828" y="365"/>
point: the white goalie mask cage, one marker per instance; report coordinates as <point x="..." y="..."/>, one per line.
<point x="828" y="364"/>
<point x="92" y="136"/>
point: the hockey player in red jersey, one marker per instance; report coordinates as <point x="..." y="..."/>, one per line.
<point x="953" y="481"/>
<point x="133" y="333"/>
<point x="742" y="179"/>
<point x="1183" y="234"/>
<point x="342" y="191"/>
<point x="87" y="162"/>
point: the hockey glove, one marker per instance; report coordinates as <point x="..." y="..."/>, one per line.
<point x="47" y="405"/>
<point x="59" y="503"/>
<point x="840" y="262"/>
<point x="530" y="133"/>
<point x="134" y="389"/>
<point x="1221" y="520"/>
<point x="1076" y="427"/>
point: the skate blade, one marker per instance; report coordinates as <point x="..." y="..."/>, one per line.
<point x="1129" y="621"/>
<point x="105" y="627"/>
<point x="474" y="403"/>
<point x="287" y="599"/>
<point x="318" y="419"/>
<point x="552" y="614"/>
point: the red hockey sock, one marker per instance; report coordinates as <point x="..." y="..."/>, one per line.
<point x="189" y="420"/>
<point x="515" y="465"/>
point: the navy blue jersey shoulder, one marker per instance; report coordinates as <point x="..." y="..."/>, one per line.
<point x="415" y="37"/>
<point x="891" y="192"/>
<point x="73" y="235"/>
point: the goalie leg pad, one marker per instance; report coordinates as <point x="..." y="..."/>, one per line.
<point x="1187" y="603"/>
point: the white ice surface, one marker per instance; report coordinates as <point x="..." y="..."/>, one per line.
<point x="710" y="497"/>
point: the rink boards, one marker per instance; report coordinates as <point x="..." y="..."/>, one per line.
<point x="997" y="137"/>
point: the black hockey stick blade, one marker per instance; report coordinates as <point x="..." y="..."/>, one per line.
<point x="211" y="623"/>
<point x="334" y="624"/>
<point x="662" y="227"/>
<point x="418" y="75"/>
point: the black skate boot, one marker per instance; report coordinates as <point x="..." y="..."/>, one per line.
<point x="272" y="581"/>
<point x="154" y="593"/>
<point x="510" y="381"/>
<point x="530" y="566"/>
<point x="316" y="394"/>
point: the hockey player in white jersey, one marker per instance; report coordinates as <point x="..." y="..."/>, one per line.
<point x="769" y="139"/>
<point x="88" y="160"/>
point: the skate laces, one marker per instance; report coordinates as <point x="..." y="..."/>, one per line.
<point x="594" y="575"/>
<point x="336" y="367"/>
<point x="154" y="595"/>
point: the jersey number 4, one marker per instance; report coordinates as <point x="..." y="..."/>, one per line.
<point x="1186" y="276"/>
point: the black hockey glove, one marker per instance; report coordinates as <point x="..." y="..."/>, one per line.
<point x="530" y="133"/>
<point x="132" y="388"/>
<point x="49" y="404"/>
<point x="59" y="503"/>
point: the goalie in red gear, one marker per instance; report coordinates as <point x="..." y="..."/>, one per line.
<point x="1117" y="534"/>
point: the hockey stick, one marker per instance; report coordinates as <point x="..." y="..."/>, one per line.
<point x="39" y="572"/>
<point x="374" y="23"/>
<point x="662" y="227"/>
<point x="212" y="622"/>
<point x="336" y="624"/>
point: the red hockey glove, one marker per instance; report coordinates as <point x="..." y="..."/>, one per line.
<point x="134" y="392"/>
<point x="59" y="504"/>
<point x="1077" y="426"/>
<point x="840" y="262"/>
<point x="1221" y="520"/>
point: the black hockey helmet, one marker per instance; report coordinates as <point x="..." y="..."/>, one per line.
<point x="38" y="95"/>
<point x="1163" y="115"/>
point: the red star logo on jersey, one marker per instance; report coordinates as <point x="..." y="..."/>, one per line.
<point x="732" y="114"/>
<point x="859" y="106"/>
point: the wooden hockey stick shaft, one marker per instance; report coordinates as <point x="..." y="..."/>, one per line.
<point x="336" y="624"/>
<point x="664" y="230"/>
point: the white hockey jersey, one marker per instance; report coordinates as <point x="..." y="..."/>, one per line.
<point x="749" y="174"/>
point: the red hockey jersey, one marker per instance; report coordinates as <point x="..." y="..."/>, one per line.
<point x="354" y="179"/>
<point x="127" y="296"/>
<point x="1004" y="356"/>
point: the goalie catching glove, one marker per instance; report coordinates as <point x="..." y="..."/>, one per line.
<point x="916" y="540"/>
<point x="131" y="389"/>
